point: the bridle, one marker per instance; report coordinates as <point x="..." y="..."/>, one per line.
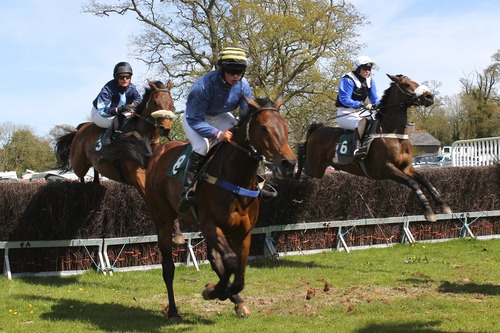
<point x="415" y="96"/>
<point x="252" y="152"/>
<point x="158" y="114"/>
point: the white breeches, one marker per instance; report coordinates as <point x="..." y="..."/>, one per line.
<point x="348" y="118"/>
<point x="200" y="144"/>
<point x="100" y="120"/>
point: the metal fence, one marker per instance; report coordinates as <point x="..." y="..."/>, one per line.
<point x="107" y="255"/>
<point x="476" y="152"/>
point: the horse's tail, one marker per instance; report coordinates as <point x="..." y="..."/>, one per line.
<point x="301" y="149"/>
<point x="62" y="150"/>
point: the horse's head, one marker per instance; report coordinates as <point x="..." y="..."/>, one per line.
<point x="157" y="106"/>
<point x="412" y="92"/>
<point x="267" y="134"/>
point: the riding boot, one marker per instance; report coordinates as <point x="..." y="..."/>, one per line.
<point x="360" y="151"/>
<point x="193" y="165"/>
<point x="261" y="185"/>
<point x="106" y="139"/>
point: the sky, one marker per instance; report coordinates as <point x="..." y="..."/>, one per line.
<point x="55" y="58"/>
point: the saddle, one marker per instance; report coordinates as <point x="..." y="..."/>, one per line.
<point x="118" y="129"/>
<point x="344" y="150"/>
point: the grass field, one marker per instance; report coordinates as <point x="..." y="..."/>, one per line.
<point x="452" y="286"/>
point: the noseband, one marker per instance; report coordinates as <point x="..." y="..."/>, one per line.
<point x="417" y="93"/>
<point x="158" y="114"/>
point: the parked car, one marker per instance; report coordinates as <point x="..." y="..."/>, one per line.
<point x="431" y="161"/>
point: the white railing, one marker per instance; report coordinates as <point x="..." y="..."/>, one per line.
<point x="194" y="239"/>
<point x="475" y="152"/>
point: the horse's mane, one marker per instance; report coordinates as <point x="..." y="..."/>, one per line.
<point x="262" y="101"/>
<point x="387" y="93"/>
<point x="147" y="93"/>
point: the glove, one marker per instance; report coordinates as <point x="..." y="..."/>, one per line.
<point x="369" y="107"/>
<point x="125" y="108"/>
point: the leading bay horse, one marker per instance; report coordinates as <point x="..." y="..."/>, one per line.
<point x="123" y="160"/>
<point x="226" y="196"/>
<point x="390" y="152"/>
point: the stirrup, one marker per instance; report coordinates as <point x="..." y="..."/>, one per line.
<point x="359" y="155"/>
<point x="187" y="200"/>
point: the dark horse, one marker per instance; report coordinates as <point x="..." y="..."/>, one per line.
<point x="226" y="195"/>
<point x="125" y="159"/>
<point x="390" y="152"/>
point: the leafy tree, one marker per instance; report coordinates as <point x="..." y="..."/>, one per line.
<point x="22" y="150"/>
<point x="481" y="101"/>
<point x="433" y="119"/>
<point x="298" y="48"/>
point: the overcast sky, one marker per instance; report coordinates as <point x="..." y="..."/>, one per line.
<point x="55" y="59"/>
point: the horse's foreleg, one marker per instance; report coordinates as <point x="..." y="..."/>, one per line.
<point x="441" y="205"/>
<point x="223" y="261"/>
<point x="238" y="284"/>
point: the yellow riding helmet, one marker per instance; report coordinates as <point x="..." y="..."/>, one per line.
<point x="232" y="57"/>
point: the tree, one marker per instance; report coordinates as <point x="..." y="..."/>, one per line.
<point x="298" y="48"/>
<point x="481" y="100"/>
<point x="433" y="119"/>
<point x="22" y="150"/>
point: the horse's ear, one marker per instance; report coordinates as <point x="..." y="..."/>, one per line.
<point x="252" y="102"/>
<point x="394" y="78"/>
<point x="279" y="102"/>
<point x="152" y="85"/>
<point x="170" y="83"/>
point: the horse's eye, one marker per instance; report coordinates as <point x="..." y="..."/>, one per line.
<point x="263" y="129"/>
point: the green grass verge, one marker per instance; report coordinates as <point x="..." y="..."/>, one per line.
<point x="452" y="286"/>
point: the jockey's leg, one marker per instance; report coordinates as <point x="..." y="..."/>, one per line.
<point x="359" y="150"/>
<point x="110" y="131"/>
<point x="193" y="165"/>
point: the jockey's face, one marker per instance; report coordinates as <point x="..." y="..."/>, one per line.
<point x="232" y="77"/>
<point x="124" y="80"/>
<point x="365" y="71"/>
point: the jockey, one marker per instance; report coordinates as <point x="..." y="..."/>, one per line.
<point x="354" y="88"/>
<point x="116" y="97"/>
<point x="209" y="109"/>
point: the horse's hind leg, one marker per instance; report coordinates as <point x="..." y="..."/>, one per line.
<point x="442" y="207"/>
<point x="402" y="178"/>
<point x="163" y="218"/>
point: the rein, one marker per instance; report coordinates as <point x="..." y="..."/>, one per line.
<point x="251" y="153"/>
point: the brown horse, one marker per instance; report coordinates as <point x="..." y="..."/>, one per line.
<point x="125" y="159"/>
<point x="390" y="152"/>
<point x="226" y="195"/>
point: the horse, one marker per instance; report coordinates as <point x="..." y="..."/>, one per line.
<point x="125" y="159"/>
<point x="226" y="195"/>
<point x="390" y="152"/>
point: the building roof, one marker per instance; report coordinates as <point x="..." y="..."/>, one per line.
<point x="422" y="138"/>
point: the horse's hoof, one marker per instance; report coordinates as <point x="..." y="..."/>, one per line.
<point x="430" y="217"/>
<point x="242" y="311"/>
<point x="178" y="239"/>
<point x="174" y="320"/>
<point x="209" y="288"/>
<point x="445" y="210"/>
